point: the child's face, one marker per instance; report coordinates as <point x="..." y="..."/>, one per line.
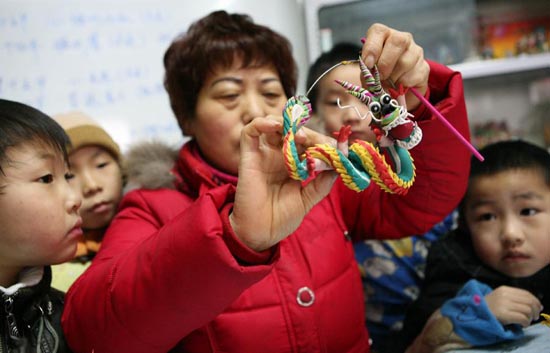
<point x="38" y="208"/>
<point x="334" y="117"/>
<point x="508" y="215"/>
<point x="98" y="177"/>
<point x="228" y="100"/>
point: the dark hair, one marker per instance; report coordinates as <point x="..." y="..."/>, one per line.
<point x="338" y="53"/>
<point x="511" y="154"/>
<point x="216" y="41"/>
<point x="20" y="123"/>
<point x="508" y="155"/>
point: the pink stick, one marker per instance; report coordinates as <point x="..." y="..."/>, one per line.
<point x="446" y="123"/>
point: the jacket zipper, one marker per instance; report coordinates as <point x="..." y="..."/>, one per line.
<point x="13" y="330"/>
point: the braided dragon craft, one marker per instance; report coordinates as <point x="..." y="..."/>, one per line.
<point x="362" y="161"/>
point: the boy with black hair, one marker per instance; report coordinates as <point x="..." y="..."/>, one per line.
<point x="490" y="277"/>
<point x="39" y="225"/>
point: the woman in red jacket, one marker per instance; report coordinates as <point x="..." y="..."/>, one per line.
<point x="258" y="263"/>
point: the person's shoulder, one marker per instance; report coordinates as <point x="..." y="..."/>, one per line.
<point x="155" y="198"/>
<point x="434" y="65"/>
<point x="444" y="82"/>
<point x="153" y="193"/>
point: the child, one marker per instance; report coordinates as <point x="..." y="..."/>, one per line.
<point x="327" y="98"/>
<point x="40" y="226"/>
<point x="391" y="270"/>
<point x="95" y="161"/>
<point x="491" y="276"/>
<point x="236" y="256"/>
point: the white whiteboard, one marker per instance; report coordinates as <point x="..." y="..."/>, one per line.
<point x="105" y="57"/>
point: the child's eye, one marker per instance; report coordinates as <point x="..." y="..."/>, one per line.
<point x="69" y="176"/>
<point x="528" y="212"/>
<point x="46" y="179"/>
<point x="102" y="165"/>
<point x="485" y="217"/>
<point x="332" y="102"/>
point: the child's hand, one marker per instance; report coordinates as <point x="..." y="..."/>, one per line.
<point x="513" y="305"/>
<point x="398" y="58"/>
<point x="269" y="205"/>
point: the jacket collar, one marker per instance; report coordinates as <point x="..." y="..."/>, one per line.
<point x="34" y="282"/>
<point x="27" y="278"/>
<point x="194" y="175"/>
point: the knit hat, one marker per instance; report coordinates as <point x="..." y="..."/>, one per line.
<point x="84" y="131"/>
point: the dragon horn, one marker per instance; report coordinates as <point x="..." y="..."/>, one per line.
<point x="364" y="96"/>
<point x="359" y="92"/>
<point x="371" y="79"/>
<point x="348" y="86"/>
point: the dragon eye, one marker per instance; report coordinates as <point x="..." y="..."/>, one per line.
<point x="375" y="107"/>
<point x="386" y="99"/>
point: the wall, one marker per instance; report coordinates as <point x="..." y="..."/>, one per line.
<point x="105" y="57"/>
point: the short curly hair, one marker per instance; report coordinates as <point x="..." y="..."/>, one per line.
<point x="215" y="41"/>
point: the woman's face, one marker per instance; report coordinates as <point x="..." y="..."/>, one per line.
<point x="228" y="100"/>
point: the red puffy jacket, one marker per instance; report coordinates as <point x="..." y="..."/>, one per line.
<point x="171" y="275"/>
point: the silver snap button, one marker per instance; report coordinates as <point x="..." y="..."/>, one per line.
<point x="305" y="297"/>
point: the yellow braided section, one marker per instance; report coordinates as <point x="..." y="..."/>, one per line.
<point x="291" y="163"/>
<point x="369" y="155"/>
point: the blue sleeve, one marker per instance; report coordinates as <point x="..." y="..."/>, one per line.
<point x="473" y="321"/>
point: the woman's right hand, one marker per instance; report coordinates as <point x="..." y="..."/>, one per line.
<point x="269" y="205"/>
<point x="398" y="58"/>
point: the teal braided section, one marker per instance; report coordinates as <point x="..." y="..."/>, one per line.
<point x="401" y="157"/>
<point x="360" y="177"/>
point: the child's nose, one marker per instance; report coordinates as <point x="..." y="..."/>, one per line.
<point x="512" y="234"/>
<point x="350" y="115"/>
<point x="90" y="185"/>
<point x="352" y="110"/>
<point x="74" y="201"/>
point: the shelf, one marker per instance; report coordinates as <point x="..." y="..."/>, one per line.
<point x="485" y="68"/>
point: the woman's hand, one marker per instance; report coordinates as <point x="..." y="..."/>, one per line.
<point x="398" y="58"/>
<point x="269" y="205"/>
